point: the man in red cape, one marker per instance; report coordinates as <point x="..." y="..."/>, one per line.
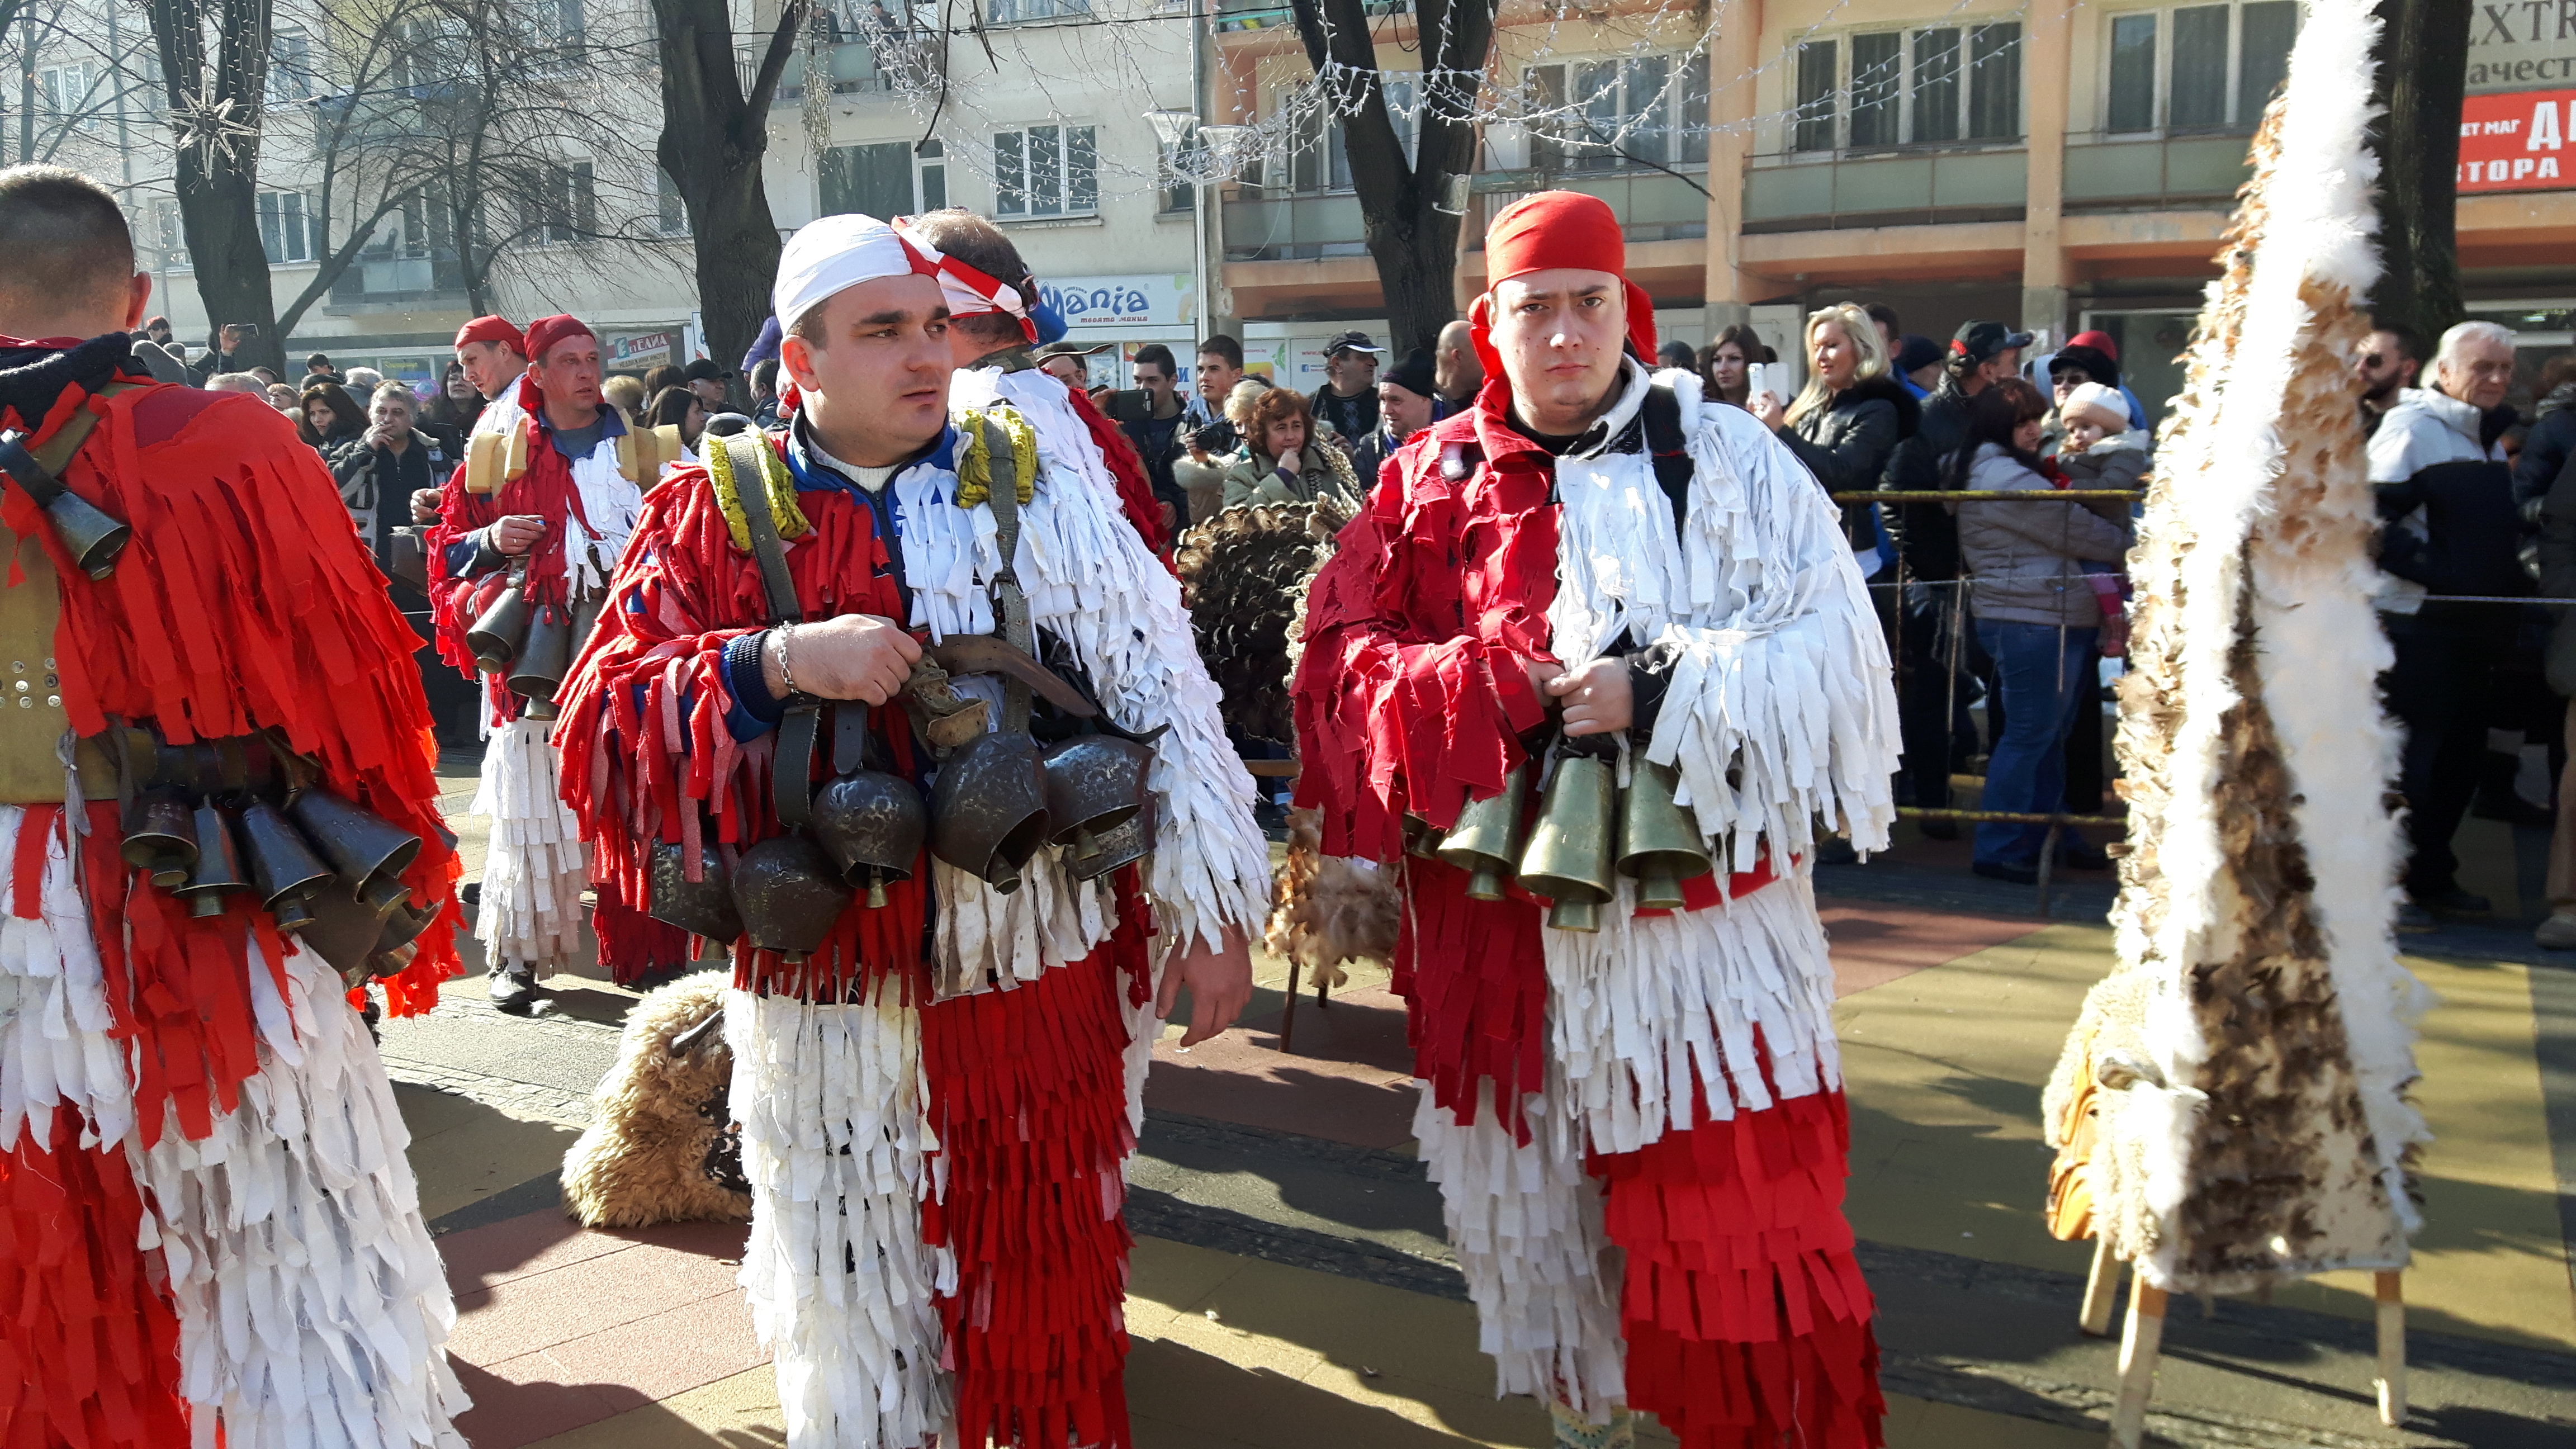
<point x="1592" y="568"/>
<point x="544" y="509"/>
<point x="937" y="1097"/>
<point x="195" y="1133"/>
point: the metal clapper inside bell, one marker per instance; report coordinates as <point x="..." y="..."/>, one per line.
<point x="1659" y="841"/>
<point x="1486" y="841"/>
<point x="1569" y="858"/>
<point x="1094" y="784"/>
<point x="870" y="822"/>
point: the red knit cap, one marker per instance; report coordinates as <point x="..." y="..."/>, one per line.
<point x="545" y="332"/>
<point x="1557" y="229"/>
<point x="492" y="329"/>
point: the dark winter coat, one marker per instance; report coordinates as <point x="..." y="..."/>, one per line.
<point x="2547" y="447"/>
<point x="1927" y="537"/>
<point x="1847" y="444"/>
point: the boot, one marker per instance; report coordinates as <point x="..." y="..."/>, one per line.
<point x="372" y="1016"/>
<point x="514" y="988"/>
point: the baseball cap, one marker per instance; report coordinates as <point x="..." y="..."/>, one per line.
<point x="1978" y="341"/>
<point x="1351" y="342"/>
<point x="703" y="369"/>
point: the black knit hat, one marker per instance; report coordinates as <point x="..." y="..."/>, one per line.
<point x="1414" y="373"/>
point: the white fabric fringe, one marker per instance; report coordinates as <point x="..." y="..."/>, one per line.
<point x="533" y="872"/>
<point x="1091" y="582"/>
<point x="1639" y="1008"/>
<point x="1526" y="1224"/>
<point x="55" y="1046"/>
<point x="313" y="1308"/>
<point x="985" y="940"/>
<point x="1780" y="709"/>
<point x="833" y="1141"/>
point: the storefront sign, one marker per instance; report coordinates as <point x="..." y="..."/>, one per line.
<point x="2521" y="141"/>
<point x="2517" y="45"/>
<point x="1163" y="299"/>
<point x="640" y="346"/>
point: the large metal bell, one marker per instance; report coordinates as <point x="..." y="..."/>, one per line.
<point x="345" y="930"/>
<point x="283" y="868"/>
<point x="701" y="907"/>
<point x="1486" y="841"/>
<point x="1569" y="857"/>
<point x="91" y="537"/>
<point x="218" y="871"/>
<point x="1094" y="784"/>
<point x="988" y="813"/>
<point x="543" y="660"/>
<point x="1659" y="841"/>
<point x="872" y="824"/>
<point x="1126" y="845"/>
<point x="161" y="838"/>
<point x="502" y="627"/>
<point x="367" y="850"/>
<point x="789" y="894"/>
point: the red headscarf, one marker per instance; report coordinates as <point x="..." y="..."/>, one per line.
<point x="492" y="329"/>
<point x="544" y="333"/>
<point x="1557" y="229"/>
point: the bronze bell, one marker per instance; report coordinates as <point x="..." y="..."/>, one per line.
<point x="1486" y="841"/>
<point x="701" y="907"/>
<point x="1420" y="840"/>
<point x="789" y="895"/>
<point x="1659" y="842"/>
<point x="543" y="659"/>
<point x="1569" y="855"/>
<point x="91" y="537"/>
<point x="366" y="849"/>
<point x="872" y="824"/>
<point x="161" y="838"/>
<point x="218" y="871"/>
<point x="988" y="812"/>
<point x="345" y="930"/>
<point x="283" y="868"/>
<point x="1126" y="845"/>
<point x="1094" y="784"/>
<point x="585" y="619"/>
<point x="503" y="626"/>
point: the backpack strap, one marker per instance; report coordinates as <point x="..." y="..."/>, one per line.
<point x="1668" y="446"/>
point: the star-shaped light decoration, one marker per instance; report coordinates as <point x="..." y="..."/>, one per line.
<point x="215" y="127"/>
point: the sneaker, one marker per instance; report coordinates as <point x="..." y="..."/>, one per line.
<point x="515" y="991"/>
<point x="1938" y="829"/>
<point x="2000" y="870"/>
<point x="2453" y="901"/>
<point x="2558" y="933"/>
<point x="2414" y="920"/>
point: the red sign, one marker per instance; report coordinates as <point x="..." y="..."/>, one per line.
<point x="2524" y="141"/>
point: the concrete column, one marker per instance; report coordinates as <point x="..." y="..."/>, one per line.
<point x="2047" y="63"/>
<point x="1734" y="55"/>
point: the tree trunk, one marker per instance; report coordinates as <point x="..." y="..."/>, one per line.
<point x="1413" y="242"/>
<point x="217" y="171"/>
<point x="712" y="139"/>
<point x="2422" y="60"/>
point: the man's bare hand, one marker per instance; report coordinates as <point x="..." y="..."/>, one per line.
<point x="1220" y="983"/>
<point x="1598" y="700"/>
<point x="517" y="533"/>
<point x="854" y="656"/>
<point x="424" y="505"/>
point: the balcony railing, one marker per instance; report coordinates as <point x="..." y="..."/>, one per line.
<point x="1900" y="189"/>
<point x="1272" y="15"/>
<point x="1651" y="206"/>
<point x="872" y="64"/>
<point x="2109" y="173"/>
<point x="386" y="280"/>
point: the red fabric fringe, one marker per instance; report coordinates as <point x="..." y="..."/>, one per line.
<point x="1476" y="981"/>
<point x="633" y="945"/>
<point x="1135" y="487"/>
<point x="646" y="754"/>
<point x="246" y="599"/>
<point x="1747" y="1320"/>
<point x="1028" y="1096"/>
<point x="90" y="1355"/>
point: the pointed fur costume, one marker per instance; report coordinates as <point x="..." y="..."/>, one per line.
<point x="2231" y="1109"/>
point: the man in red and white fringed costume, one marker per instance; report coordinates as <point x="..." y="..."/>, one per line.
<point x="935" y="1104"/>
<point x="565" y="515"/>
<point x="208" y="1230"/>
<point x="1668" y="1086"/>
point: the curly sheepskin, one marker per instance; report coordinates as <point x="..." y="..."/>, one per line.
<point x="1331" y="910"/>
<point x="644" y="1158"/>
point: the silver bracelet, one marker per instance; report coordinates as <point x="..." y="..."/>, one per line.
<point x="786" y="676"/>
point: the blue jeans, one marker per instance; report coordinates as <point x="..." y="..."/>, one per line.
<point x="2041" y="671"/>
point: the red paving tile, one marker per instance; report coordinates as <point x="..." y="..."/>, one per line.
<point x="1874" y="942"/>
<point x="646" y="1274"/>
<point x="509" y="1412"/>
<point x="1350" y="1080"/>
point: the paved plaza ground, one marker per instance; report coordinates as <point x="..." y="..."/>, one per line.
<point x="1292" y="1288"/>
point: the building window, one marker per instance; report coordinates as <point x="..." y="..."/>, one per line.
<point x="1602" y="115"/>
<point x="931" y="158"/>
<point x="563" y="206"/>
<point x="290" y="67"/>
<point x="873" y="180"/>
<point x="65" y="91"/>
<point x="1944" y="83"/>
<point x="1007" y="12"/>
<point x="1046" y="171"/>
<point x="2208" y="68"/>
<point x="1173" y="163"/>
<point x="670" y="212"/>
<point x="285" y="229"/>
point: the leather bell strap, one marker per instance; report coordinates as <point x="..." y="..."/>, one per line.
<point x="791" y="782"/>
<point x="1010" y="601"/>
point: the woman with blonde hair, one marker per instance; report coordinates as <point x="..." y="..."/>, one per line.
<point x="1283" y="461"/>
<point x="1848" y="420"/>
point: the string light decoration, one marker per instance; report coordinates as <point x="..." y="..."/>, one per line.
<point x="1138" y="55"/>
